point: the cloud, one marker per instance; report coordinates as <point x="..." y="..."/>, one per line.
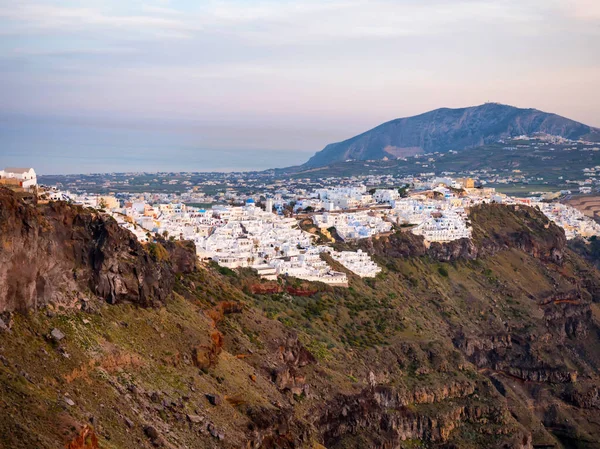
<point x="72" y="52"/>
<point x="328" y="60"/>
<point x="289" y="21"/>
<point x="312" y="20"/>
<point x="584" y="10"/>
<point x="37" y="17"/>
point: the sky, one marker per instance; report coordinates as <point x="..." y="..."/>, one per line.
<point x="257" y="77"/>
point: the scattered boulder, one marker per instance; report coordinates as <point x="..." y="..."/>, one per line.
<point x="57" y="334"/>
<point x="214" y="399"/>
<point x="195" y="419"/>
<point x="214" y="432"/>
<point x="6" y="321"/>
<point x="206" y="356"/>
<point x="151" y="433"/>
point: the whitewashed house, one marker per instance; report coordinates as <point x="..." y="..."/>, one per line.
<point x="23" y="177"/>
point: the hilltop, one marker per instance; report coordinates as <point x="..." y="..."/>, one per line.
<point x="450" y="129"/>
<point x="106" y="343"/>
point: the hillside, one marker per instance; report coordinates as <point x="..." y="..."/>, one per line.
<point x="529" y="164"/>
<point x="450" y="129"/>
<point x="492" y="343"/>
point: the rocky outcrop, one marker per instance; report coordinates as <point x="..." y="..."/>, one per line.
<point x="388" y="397"/>
<point x="587" y="398"/>
<point x="397" y="245"/>
<point x="288" y="376"/>
<point x="276" y="429"/>
<point x="543" y="374"/>
<point x="206" y="356"/>
<point x="477" y="347"/>
<point x="381" y="413"/>
<point x="293" y="353"/>
<point x="511" y="356"/>
<point x="182" y="255"/>
<point x="54" y="253"/>
<point x="568" y="318"/>
<point x="455" y="250"/>
<point x="496" y="227"/>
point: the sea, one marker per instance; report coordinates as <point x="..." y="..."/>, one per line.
<point x="52" y="148"/>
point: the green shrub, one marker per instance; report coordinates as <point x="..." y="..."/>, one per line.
<point x="158" y="252"/>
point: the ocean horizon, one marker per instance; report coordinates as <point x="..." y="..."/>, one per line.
<point x="53" y="149"/>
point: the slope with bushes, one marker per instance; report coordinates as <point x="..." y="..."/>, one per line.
<point x="487" y="343"/>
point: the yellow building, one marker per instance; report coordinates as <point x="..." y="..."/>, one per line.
<point x="467" y="183"/>
<point x="107" y="202"/>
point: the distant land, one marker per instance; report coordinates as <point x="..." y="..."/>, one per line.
<point x="55" y="147"/>
<point x="445" y="129"/>
<point x="525" y="160"/>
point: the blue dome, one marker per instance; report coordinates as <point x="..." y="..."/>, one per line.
<point x="202" y="211"/>
<point x="250" y="201"/>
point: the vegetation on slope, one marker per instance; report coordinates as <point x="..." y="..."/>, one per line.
<point x="497" y="350"/>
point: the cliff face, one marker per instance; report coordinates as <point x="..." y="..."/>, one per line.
<point x="390" y="418"/>
<point x="450" y="129"/>
<point x="496" y="228"/>
<point x="62" y="254"/>
<point x="501" y="349"/>
<point x="529" y="344"/>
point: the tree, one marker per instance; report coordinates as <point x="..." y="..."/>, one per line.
<point x="102" y="204"/>
<point x="403" y="191"/>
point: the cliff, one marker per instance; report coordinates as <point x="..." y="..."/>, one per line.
<point x="496" y="228"/>
<point x="61" y="254"/>
<point x="500" y="349"/>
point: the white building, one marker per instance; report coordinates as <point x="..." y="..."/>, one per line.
<point x="358" y="262"/>
<point x="344" y="197"/>
<point x="269" y="203"/>
<point x="386" y="195"/>
<point x="356" y="225"/>
<point x="23" y="177"/>
<point x="443" y="228"/>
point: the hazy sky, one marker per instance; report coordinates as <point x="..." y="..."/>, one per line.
<point x="291" y="75"/>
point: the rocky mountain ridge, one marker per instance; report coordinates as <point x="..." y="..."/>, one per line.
<point x="450" y="129"/>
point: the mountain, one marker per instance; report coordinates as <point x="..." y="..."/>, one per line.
<point x="450" y="129"/>
<point x="105" y="343"/>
